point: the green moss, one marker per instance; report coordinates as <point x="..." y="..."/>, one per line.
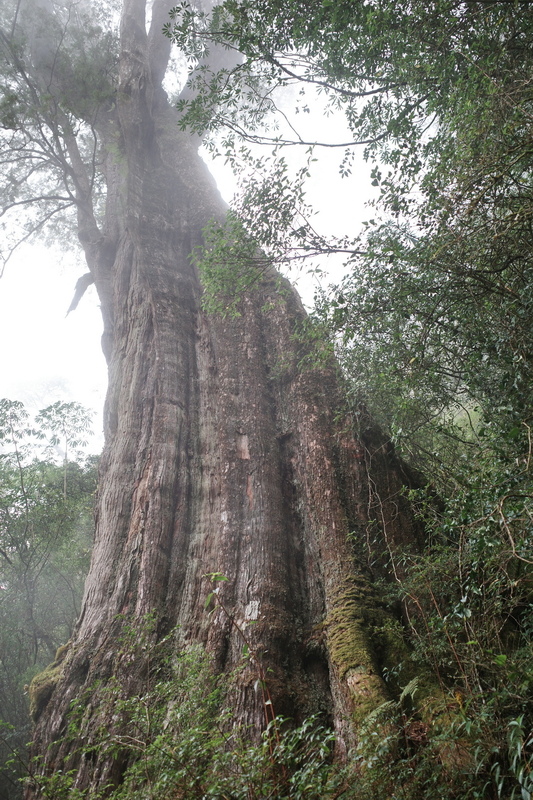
<point x="44" y="683"/>
<point x="350" y="648"/>
<point x="365" y="642"/>
<point x="61" y="653"/>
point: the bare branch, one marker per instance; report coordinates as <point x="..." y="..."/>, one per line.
<point x="350" y="93"/>
<point x="35" y="199"/>
<point x="81" y="287"/>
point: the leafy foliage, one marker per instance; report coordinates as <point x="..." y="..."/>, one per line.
<point x="230" y="264"/>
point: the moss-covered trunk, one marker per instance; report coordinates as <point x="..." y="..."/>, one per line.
<point x="222" y="455"/>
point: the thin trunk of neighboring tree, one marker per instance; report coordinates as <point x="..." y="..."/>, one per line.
<point x="223" y="452"/>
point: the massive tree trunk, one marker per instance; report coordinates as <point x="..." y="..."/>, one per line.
<point x="223" y="454"/>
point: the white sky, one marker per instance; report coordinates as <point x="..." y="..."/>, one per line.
<point x="46" y="356"/>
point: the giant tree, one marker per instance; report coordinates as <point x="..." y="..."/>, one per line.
<point x="228" y="447"/>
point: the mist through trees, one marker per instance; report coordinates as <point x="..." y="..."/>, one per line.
<point x="46" y="537"/>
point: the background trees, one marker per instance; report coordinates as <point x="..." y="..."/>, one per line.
<point x="45" y="542"/>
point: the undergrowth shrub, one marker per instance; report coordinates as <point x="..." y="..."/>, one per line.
<point x="467" y="603"/>
<point x="178" y="740"/>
